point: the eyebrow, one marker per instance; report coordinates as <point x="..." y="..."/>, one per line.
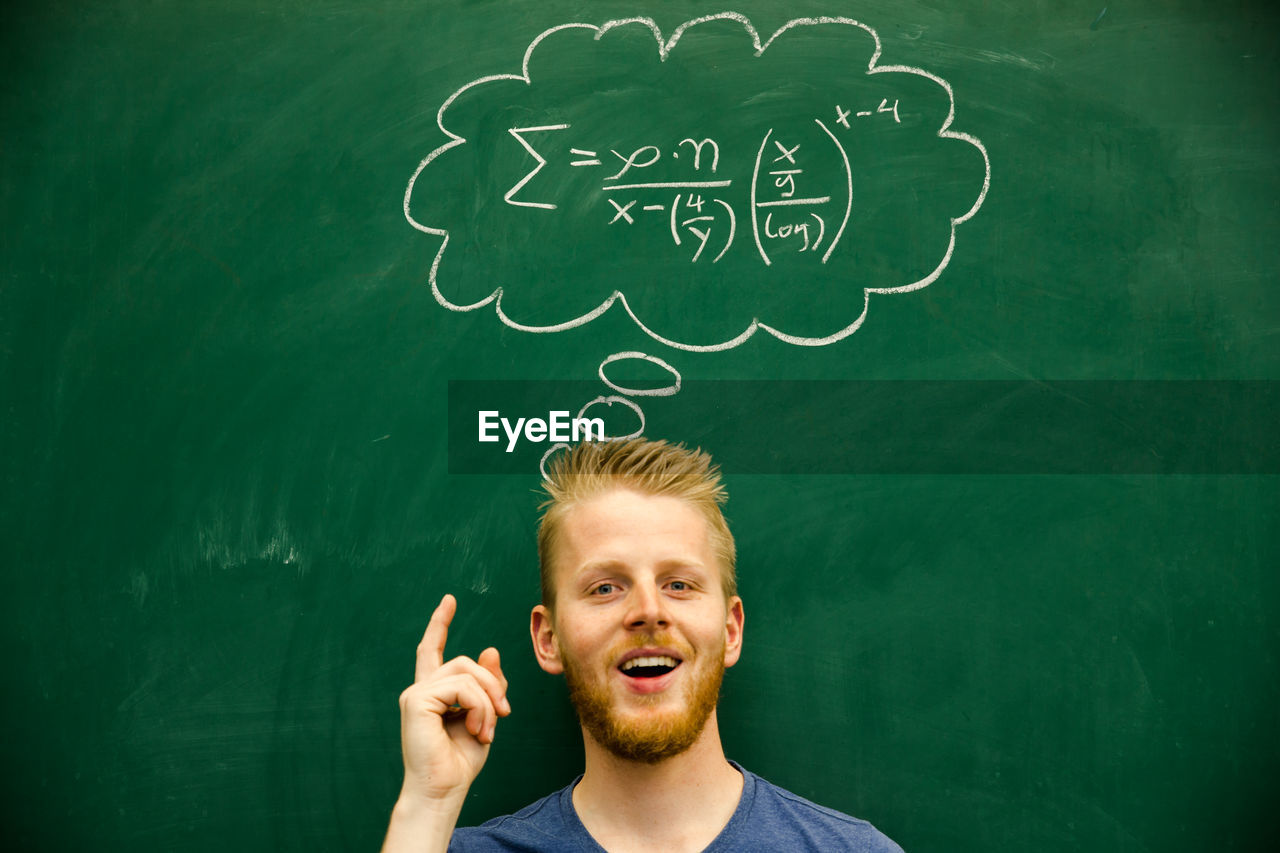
<point x="600" y="566"/>
<point x="668" y="565"/>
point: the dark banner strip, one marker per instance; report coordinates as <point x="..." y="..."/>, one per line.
<point x="885" y="427"/>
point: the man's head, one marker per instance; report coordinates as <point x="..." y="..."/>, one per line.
<point x="639" y="611"/>
<point x="654" y="468"/>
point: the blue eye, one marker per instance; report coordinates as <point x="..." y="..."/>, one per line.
<point x="679" y="586"/>
<point x="603" y="589"/>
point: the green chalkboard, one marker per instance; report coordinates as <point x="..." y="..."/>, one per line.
<point x="976" y="302"/>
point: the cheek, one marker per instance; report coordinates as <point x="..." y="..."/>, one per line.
<point x="579" y="643"/>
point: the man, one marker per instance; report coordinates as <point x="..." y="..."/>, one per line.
<point x="640" y="613"/>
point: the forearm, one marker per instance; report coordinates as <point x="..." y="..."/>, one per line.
<point x="447" y="720"/>
<point x="419" y="826"/>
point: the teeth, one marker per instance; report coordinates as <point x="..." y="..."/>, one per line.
<point x="653" y="661"/>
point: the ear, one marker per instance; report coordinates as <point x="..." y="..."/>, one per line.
<point x="545" y="648"/>
<point x="733" y="624"/>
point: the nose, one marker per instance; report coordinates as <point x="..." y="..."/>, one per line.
<point x="646" y="607"/>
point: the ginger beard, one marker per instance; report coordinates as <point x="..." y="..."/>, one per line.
<point x="654" y="735"/>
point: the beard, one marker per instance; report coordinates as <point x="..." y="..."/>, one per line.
<point x="660" y="735"/>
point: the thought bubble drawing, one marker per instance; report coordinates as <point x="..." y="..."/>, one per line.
<point x="709" y="183"/>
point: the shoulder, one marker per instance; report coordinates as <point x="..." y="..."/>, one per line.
<point x="540" y="826"/>
<point x="794" y="823"/>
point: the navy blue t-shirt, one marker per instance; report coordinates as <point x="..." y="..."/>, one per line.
<point x="768" y="819"/>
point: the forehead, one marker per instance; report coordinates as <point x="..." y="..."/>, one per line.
<point x="628" y="527"/>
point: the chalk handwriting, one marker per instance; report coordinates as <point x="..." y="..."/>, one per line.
<point x="792" y="183"/>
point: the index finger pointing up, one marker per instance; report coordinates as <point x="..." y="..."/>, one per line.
<point x="431" y="649"/>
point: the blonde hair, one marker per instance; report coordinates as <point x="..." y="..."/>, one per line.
<point x="655" y="468"/>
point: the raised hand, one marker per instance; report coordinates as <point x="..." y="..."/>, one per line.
<point x="449" y="715"/>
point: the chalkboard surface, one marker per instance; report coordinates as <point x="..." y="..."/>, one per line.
<point x="977" y="301"/>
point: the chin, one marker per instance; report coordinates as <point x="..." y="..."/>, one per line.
<point x="647" y="728"/>
<point x="649" y="743"/>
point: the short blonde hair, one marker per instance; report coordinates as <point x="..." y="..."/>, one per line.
<point x="655" y="468"/>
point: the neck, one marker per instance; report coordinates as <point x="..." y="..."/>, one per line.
<point x="696" y="792"/>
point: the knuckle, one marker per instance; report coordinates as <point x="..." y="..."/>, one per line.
<point x="452" y="665"/>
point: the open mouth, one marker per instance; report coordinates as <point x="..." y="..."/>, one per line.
<point x="653" y="666"/>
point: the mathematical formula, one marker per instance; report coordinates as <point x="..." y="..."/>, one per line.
<point x="720" y="162"/>
<point x="786" y="212"/>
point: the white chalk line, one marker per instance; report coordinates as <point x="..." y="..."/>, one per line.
<point x="848" y="176"/>
<point x="666" y="391"/>
<point x="755" y="206"/>
<point x="733" y="229"/>
<point x="784" y="202"/>
<point x="664" y="49"/>
<point x="542" y="161"/>
<point x="667" y="185"/>
<point x="822" y="232"/>
<point x="609" y="401"/>
<point x="542" y="463"/>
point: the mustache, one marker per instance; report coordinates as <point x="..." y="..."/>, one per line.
<point x="645" y="641"/>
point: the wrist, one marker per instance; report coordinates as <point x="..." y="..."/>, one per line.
<point x="417" y="803"/>
<point x="422" y="824"/>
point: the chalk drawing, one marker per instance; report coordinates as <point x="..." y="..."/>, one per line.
<point x="609" y="400"/>
<point x="799" y="191"/>
<point x="517" y="133"/>
<point x="665" y="391"/>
